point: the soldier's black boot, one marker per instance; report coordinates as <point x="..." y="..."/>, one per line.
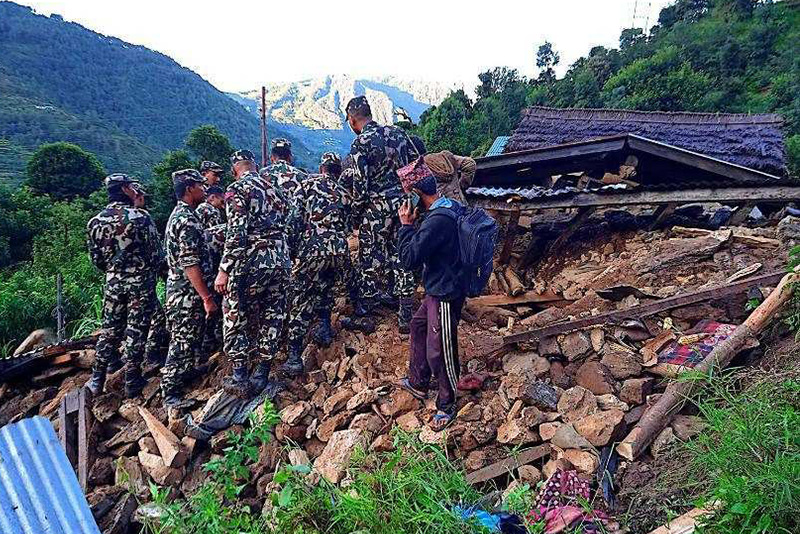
<point x="238" y="383"/>
<point x="387" y="300"/>
<point x="134" y="383"/>
<point x="323" y="334"/>
<point x="404" y="313"/>
<point x="114" y="366"/>
<point x="361" y="322"/>
<point x="294" y="363"/>
<point x="260" y="377"/>
<point x="97" y="382"/>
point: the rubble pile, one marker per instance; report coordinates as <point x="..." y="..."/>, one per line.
<point x="576" y="392"/>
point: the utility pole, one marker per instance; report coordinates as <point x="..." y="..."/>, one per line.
<point x="264" y="139"/>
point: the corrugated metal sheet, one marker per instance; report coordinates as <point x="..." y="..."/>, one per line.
<point x="531" y="193"/>
<point x="498" y="145"/>
<point x="39" y="492"/>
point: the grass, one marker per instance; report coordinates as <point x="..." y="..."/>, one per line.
<point x="748" y="459"/>
<point x="409" y="490"/>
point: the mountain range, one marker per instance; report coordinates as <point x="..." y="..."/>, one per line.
<point x="312" y="112"/>
<point x="60" y="81"/>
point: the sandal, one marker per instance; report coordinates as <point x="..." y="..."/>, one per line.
<point x="442" y="420"/>
<point x="416" y="393"/>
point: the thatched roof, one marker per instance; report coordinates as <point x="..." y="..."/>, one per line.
<point x="754" y="141"/>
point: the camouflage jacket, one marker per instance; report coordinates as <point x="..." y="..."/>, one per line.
<point x="260" y="221"/>
<point x="287" y="177"/>
<point x="324" y="209"/>
<point x="123" y="240"/>
<point x="209" y="215"/>
<point x="377" y="153"/>
<point x="186" y="246"/>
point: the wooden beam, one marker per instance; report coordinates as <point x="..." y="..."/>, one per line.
<point x="662" y="212"/>
<point x="581" y="217"/>
<point x="774" y="194"/>
<point x="511" y="233"/>
<point x="645" y="310"/>
<point x="75" y="422"/>
<point x="528" y="157"/>
<point x="509" y="464"/>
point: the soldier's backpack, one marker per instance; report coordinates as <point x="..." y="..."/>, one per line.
<point x="477" y="236"/>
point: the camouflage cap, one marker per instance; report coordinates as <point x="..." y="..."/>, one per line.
<point x="242" y="155"/>
<point x="358" y="106"/>
<point x="280" y="142"/>
<point x="210" y="166"/>
<point x="138" y="188"/>
<point x="185" y="176"/>
<point x="119" y="178"/>
<point x="329" y="158"/>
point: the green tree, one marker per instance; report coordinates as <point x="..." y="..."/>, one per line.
<point x="162" y="195"/>
<point x="546" y="60"/>
<point x="64" y="171"/>
<point x="208" y="143"/>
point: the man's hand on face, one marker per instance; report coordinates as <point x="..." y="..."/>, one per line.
<point x="407" y="214"/>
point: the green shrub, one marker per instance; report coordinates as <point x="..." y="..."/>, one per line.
<point x="749" y="457"/>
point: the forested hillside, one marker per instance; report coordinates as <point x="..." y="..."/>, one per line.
<point x="740" y="56"/>
<point x="125" y="103"/>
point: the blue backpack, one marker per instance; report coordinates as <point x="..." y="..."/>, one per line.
<point x="477" y="236"/>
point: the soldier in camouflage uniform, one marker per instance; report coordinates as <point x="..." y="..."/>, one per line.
<point x="377" y="153"/>
<point x="212" y="218"/>
<point x="254" y="272"/>
<point x="280" y="170"/>
<point x="189" y="299"/>
<point x="123" y="243"/>
<point x="322" y="257"/>
<point x="212" y="173"/>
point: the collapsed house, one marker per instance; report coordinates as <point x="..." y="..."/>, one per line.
<point x="631" y="246"/>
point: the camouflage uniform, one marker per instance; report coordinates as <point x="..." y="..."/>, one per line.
<point x="377" y="153"/>
<point x="284" y="175"/>
<point x="323" y="255"/>
<point x="123" y="242"/>
<point x="186" y="247"/>
<point x="256" y="258"/>
<point x="213" y="222"/>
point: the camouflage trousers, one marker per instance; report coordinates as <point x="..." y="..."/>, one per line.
<point x="212" y="338"/>
<point x="378" y="260"/>
<point x="158" y="337"/>
<point x="186" y="322"/>
<point x="128" y="306"/>
<point x="313" y="288"/>
<point x="254" y="307"/>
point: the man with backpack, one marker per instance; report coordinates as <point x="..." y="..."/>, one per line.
<point x="453" y="245"/>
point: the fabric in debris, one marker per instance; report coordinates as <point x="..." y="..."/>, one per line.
<point x="224" y="410"/>
<point x="561" y="506"/>
<point x="500" y="522"/>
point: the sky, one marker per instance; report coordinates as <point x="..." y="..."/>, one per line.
<point x="238" y="45"/>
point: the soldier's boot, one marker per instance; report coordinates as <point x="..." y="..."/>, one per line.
<point x="294" y="363"/>
<point x="404" y="314"/>
<point x="114" y="366"/>
<point x="134" y="382"/>
<point x="174" y="399"/>
<point x="361" y="307"/>
<point x="97" y="382"/>
<point x="323" y="334"/>
<point x="387" y="300"/>
<point x="238" y="384"/>
<point x="361" y="322"/>
<point x="260" y="377"/>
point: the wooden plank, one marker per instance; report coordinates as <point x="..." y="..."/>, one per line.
<point x="567" y="151"/>
<point x="68" y="427"/>
<point x="509" y="464"/>
<point x="645" y="310"/>
<point x="738" y="236"/>
<point x="530" y="297"/>
<point x="84" y="428"/>
<point x="765" y="194"/>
